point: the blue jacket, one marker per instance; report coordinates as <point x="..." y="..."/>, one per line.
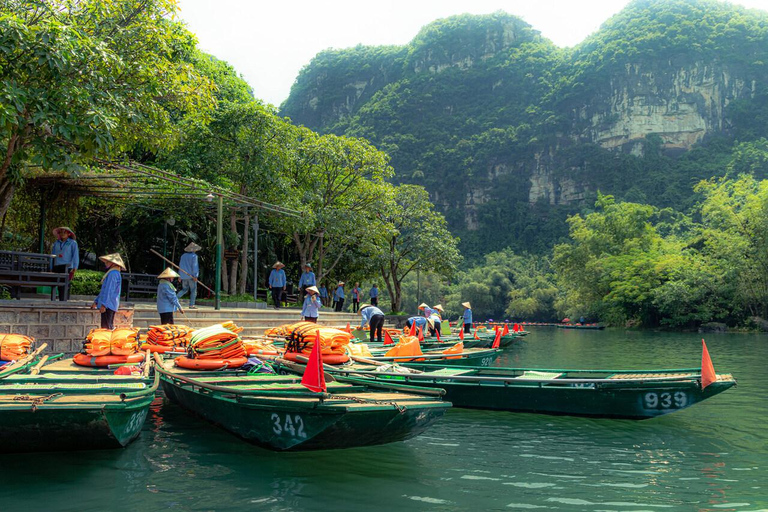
<point x="311" y="307"/>
<point x="467" y="316"/>
<point x="277" y="278"/>
<point x="420" y="321"/>
<point x="356" y="294"/>
<point x="374" y="292"/>
<point x="70" y="255"/>
<point x="189" y="264"/>
<point x="323" y="292"/>
<point x="167" y="302"/>
<point x="109" y="295"/>
<point x="368" y="313"/>
<point x="307" y="279"/>
<point x="435" y="317"/>
<point x="339" y="293"/>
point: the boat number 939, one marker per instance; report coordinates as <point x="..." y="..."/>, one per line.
<point x="288" y="425"/>
<point x="676" y="400"/>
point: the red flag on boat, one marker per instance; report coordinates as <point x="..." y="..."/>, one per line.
<point x="388" y="339"/>
<point x="506" y="330"/>
<point x="349" y="328"/>
<point x="707" y="368"/>
<point x="421" y="334"/>
<point x="476" y="336"/>
<point x="413" y="329"/>
<point x="437" y="333"/>
<point x="461" y="334"/>
<point x="314" y="376"/>
<point x="497" y="339"/>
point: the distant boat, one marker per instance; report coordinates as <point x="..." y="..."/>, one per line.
<point x="580" y="326"/>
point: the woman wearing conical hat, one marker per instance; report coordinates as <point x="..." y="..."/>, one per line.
<point x="467" y="316"/>
<point x="67" y="256"/>
<point x="108" y="300"/>
<point x="190" y="271"/>
<point x="167" y="301"/>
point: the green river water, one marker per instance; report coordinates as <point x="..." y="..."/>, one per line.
<point x="713" y="456"/>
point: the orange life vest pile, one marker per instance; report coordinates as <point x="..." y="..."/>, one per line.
<point x="162" y="338"/>
<point x="302" y="336"/>
<point x="407" y="346"/>
<point x="104" y="342"/>
<point x="213" y="348"/>
<point x="261" y="348"/>
<point x="14" y="346"/>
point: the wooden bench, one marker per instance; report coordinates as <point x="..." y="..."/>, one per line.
<point x="139" y="284"/>
<point x="30" y="270"/>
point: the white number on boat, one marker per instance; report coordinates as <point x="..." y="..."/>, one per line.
<point x="486" y="361"/>
<point x="294" y="427"/>
<point x="666" y="400"/>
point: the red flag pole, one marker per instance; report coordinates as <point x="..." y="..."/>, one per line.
<point x="497" y="339"/>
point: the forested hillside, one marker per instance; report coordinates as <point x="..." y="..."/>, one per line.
<point x="507" y="130"/>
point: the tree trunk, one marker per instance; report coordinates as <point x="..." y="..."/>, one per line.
<point x="6" y="195"/>
<point x="244" y="256"/>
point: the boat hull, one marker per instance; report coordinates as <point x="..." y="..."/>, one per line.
<point x="275" y="425"/>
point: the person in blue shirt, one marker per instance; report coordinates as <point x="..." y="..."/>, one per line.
<point x="435" y="322"/>
<point x="277" y="283"/>
<point x="375" y="317"/>
<point x="356" y="292"/>
<point x="67" y="256"/>
<point x="312" y="304"/>
<point x="307" y="279"/>
<point x="108" y="300"/>
<point x="190" y="271"/>
<point x="420" y="321"/>
<point x="167" y="301"/>
<point x="324" y="295"/>
<point x="374" y="293"/>
<point x="338" y="296"/>
<point x="467" y="316"/>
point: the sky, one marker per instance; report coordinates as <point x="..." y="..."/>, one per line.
<point x="269" y="41"/>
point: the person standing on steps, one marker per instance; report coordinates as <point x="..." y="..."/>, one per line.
<point x="356" y="291"/>
<point x="108" y="299"/>
<point x="323" y="295"/>
<point x="467" y="316"/>
<point x="167" y="301"/>
<point x="338" y="297"/>
<point x="67" y="257"/>
<point x="189" y="266"/>
<point x="306" y="280"/>
<point x="374" y="294"/>
<point x="312" y="305"/>
<point x="277" y="283"/>
<point x="374" y="316"/>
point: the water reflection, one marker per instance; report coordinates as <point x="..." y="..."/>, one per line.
<point x="712" y="456"/>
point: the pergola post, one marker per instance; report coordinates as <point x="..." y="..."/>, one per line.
<point x="219" y="244"/>
<point x="255" y="256"/>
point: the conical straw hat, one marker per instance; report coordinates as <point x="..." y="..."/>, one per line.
<point x="192" y="247"/>
<point x="113" y="258"/>
<point x="466" y="305"/>
<point x="423" y="305"/>
<point x="438" y="307"/>
<point x="65" y="228"/>
<point x="362" y="307"/>
<point x="278" y="264"/>
<point x="168" y="273"/>
<point x="313" y="289"/>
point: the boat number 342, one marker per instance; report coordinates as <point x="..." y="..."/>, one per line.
<point x="288" y="425"/>
<point x="666" y="400"/>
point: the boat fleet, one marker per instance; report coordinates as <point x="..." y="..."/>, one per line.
<point x="310" y="387"/>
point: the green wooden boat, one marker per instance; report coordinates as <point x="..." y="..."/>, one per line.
<point x="43" y="410"/>
<point x="470" y="357"/>
<point x="630" y="394"/>
<point x="587" y="327"/>
<point x="278" y="413"/>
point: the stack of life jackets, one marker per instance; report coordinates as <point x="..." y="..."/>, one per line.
<point x="214" y="348"/>
<point x="162" y="338"/>
<point x="14" y="346"/>
<point x="302" y="336"/>
<point x="407" y="346"/>
<point x="104" y="342"/>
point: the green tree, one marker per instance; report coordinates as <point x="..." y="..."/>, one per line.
<point x="419" y="238"/>
<point x="91" y="78"/>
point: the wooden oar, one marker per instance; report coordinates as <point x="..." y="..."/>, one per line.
<point x="175" y="265"/>
<point x="23" y="361"/>
<point x="36" y="369"/>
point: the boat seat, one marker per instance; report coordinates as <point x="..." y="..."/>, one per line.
<point x="73" y="385"/>
<point x="450" y="372"/>
<point x="534" y="375"/>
